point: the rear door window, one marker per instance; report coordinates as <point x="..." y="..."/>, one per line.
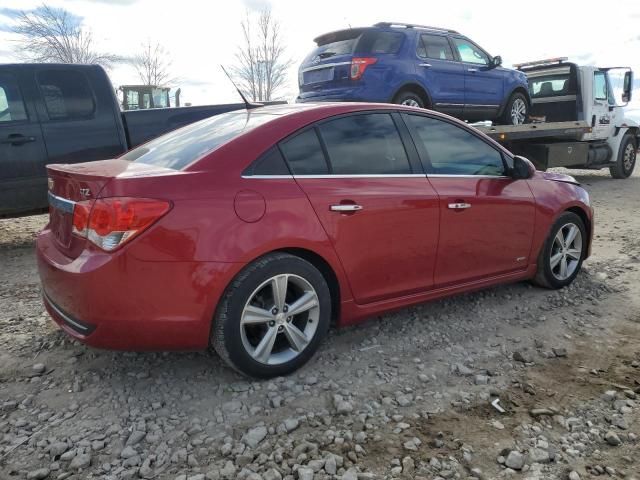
<point x="11" y="103"/>
<point x="434" y="46"/>
<point x="66" y="94"/>
<point x="270" y="163"/>
<point x="452" y="150"/>
<point x="366" y="144"/>
<point x="372" y="43"/>
<point x="304" y="155"/>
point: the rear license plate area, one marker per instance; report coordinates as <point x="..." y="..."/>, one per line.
<point x="320" y="75"/>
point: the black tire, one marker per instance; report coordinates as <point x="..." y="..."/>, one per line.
<point x="545" y="277"/>
<point x="506" y="118"/>
<point x="623" y="168"/>
<point x="407" y="98"/>
<point x="226" y="337"/>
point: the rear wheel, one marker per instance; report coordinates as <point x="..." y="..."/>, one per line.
<point x="626" y="161"/>
<point x="409" y="99"/>
<point x="562" y="254"/>
<point x="517" y="110"/>
<point x="272" y="317"/>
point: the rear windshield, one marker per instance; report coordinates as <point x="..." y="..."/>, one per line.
<point x="549" y="86"/>
<point x="181" y="147"/>
<point x="362" y="42"/>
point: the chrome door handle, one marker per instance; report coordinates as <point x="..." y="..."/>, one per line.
<point x="425" y="65"/>
<point x="345" y="208"/>
<point x="472" y="70"/>
<point x="459" y="206"/>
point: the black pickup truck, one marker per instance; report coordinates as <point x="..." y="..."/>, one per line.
<point x="54" y="113"/>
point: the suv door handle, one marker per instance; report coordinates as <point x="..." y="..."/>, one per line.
<point x="472" y="70"/>
<point x="459" y="206"/>
<point x="425" y="65"/>
<point x="345" y="208"/>
<point x="17" y="139"/>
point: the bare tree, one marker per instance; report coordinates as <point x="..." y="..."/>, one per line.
<point x="262" y="63"/>
<point x="49" y="34"/>
<point x="153" y="65"/>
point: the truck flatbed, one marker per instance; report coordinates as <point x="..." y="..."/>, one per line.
<point x="572" y="130"/>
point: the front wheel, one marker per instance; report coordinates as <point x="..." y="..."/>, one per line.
<point x="516" y="111"/>
<point x="562" y="254"/>
<point x="626" y="161"/>
<point x="272" y="317"/>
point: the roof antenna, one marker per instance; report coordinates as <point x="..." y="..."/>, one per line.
<point x="248" y="105"/>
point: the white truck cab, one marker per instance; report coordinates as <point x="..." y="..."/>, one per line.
<point x="576" y="118"/>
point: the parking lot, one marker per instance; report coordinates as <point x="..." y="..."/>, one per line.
<point x="404" y="395"/>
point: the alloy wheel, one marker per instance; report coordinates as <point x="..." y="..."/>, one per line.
<point x="410" y="102"/>
<point x="566" y="251"/>
<point x="629" y="157"/>
<point x="518" y="111"/>
<point x="280" y="319"/>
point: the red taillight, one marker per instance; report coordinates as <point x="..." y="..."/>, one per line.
<point x="81" y="212"/>
<point x="110" y="222"/>
<point x="359" y="65"/>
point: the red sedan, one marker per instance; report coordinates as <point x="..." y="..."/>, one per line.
<point x="252" y="231"/>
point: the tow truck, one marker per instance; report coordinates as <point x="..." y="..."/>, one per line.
<point x="575" y="120"/>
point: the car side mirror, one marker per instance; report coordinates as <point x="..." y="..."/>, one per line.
<point x="496" y="61"/>
<point x="522" y="168"/>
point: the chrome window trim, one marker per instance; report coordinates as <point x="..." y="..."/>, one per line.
<point x="373" y="175"/>
<point x="324" y="65"/>
<point x="453" y="175"/>
<point x="267" y="177"/>
<point x="364" y="175"/>
<point x="60" y="203"/>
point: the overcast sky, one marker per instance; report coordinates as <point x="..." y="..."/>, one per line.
<point x="200" y="35"/>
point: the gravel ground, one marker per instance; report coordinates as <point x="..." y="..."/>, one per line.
<point x="405" y="395"/>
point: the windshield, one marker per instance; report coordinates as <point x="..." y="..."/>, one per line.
<point x="181" y="147"/>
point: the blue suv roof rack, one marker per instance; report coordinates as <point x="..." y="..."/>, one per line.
<point x="412" y="25"/>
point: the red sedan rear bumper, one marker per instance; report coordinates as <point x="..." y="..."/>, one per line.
<point x="116" y="301"/>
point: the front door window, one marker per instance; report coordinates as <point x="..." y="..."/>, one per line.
<point x="470" y="53"/>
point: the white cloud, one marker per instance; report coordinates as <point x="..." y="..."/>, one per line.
<point x="256" y="5"/>
<point x="202" y="35"/>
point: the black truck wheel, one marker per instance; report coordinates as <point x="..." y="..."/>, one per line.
<point x="626" y="161"/>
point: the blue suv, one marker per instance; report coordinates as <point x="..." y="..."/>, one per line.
<point x="414" y="65"/>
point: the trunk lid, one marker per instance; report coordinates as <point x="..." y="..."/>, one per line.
<point x="70" y="184"/>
